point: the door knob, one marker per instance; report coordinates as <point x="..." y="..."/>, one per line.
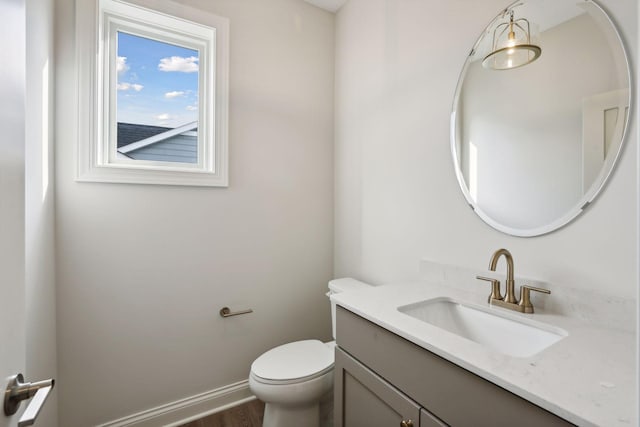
<point x="18" y="390"/>
<point x="406" y="423"/>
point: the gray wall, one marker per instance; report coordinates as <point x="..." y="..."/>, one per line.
<point x="397" y="198"/>
<point x="143" y="270"/>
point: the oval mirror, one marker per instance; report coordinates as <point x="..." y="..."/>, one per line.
<point x="540" y="114"/>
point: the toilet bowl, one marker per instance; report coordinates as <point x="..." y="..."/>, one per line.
<point x="293" y="378"/>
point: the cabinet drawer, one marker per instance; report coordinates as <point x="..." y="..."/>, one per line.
<point x="455" y="395"/>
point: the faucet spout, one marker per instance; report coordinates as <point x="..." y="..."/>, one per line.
<point x="509" y="301"/>
<point x="510" y="296"/>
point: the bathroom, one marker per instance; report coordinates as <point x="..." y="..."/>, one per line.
<point x="339" y="166"/>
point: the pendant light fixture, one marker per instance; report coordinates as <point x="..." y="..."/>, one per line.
<point x="512" y="45"/>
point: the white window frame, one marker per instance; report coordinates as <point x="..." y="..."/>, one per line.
<point x="168" y="22"/>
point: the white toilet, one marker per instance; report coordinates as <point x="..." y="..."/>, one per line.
<point x="292" y="378"/>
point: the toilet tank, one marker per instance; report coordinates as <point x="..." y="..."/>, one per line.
<point x="342" y="285"/>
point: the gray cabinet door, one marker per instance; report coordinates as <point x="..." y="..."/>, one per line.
<point x="363" y="399"/>
<point x="427" y="419"/>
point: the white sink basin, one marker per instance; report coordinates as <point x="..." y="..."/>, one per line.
<point x="494" y="330"/>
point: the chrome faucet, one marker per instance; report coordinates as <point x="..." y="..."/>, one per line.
<point x="509" y="301"/>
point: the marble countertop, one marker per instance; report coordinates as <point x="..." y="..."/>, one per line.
<point x="587" y="378"/>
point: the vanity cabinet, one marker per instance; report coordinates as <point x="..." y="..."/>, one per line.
<point x="382" y="380"/>
<point x="368" y="400"/>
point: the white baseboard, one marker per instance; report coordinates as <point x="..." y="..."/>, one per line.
<point x="189" y="409"/>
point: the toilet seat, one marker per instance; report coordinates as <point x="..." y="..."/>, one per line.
<point x="293" y="363"/>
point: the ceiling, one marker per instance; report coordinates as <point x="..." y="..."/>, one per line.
<point x="330" y="5"/>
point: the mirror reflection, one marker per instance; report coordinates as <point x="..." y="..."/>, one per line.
<point x="534" y="143"/>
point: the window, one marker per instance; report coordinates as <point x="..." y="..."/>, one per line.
<point x="153" y="104"/>
<point x="156" y="101"/>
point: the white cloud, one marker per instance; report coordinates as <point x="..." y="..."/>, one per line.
<point x="163" y="117"/>
<point x="178" y="63"/>
<point x="121" y="65"/>
<point x="192" y="107"/>
<point x="128" y="86"/>
<point x="174" y="94"/>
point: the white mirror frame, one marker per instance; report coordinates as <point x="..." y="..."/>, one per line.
<point x="588" y="197"/>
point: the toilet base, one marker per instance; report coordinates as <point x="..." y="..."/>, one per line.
<point x="286" y="416"/>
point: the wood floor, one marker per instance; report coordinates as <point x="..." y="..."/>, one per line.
<point x="250" y="414"/>
<point x="246" y="415"/>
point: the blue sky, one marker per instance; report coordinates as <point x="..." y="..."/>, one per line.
<point x="157" y="82"/>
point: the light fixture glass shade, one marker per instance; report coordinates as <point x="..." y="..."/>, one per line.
<point x="514" y="45"/>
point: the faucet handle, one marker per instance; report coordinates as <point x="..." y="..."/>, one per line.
<point x="525" y="297"/>
<point x="495" y="288"/>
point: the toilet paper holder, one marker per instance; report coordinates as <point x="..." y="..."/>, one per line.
<point x="226" y="312"/>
